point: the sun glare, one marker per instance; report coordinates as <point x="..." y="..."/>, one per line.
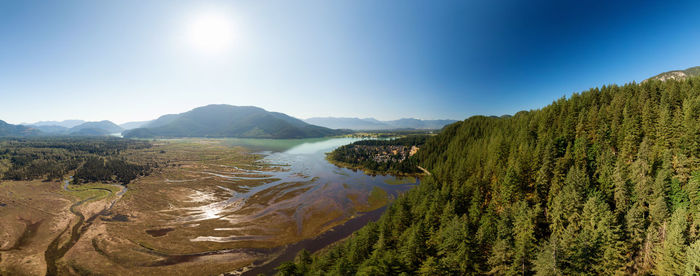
<point x="210" y="33"/>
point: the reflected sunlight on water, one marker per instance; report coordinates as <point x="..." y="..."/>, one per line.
<point x="297" y="178"/>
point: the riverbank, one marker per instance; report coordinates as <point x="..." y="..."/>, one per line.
<point x="32" y="214"/>
<point x="355" y="167"/>
<point x="213" y="206"/>
<point x="43" y="220"/>
<point x="102" y="197"/>
<point x="226" y="208"/>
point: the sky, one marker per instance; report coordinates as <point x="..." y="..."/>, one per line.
<point x="135" y="60"/>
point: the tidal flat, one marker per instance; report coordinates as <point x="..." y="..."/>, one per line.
<point x="212" y="206"/>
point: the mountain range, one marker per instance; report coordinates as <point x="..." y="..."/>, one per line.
<point x="96" y="128"/>
<point x="133" y="125"/>
<point x="374" y="124"/>
<point x="242" y="121"/>
<point x="64" y="123"/>
<point x="207" y="121"/>
<point x="229" y="121"/>
<point x="17" y="130"/>
<point x="100" y="128"/>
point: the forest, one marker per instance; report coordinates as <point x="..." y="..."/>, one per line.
<point x="603" y="182"/>
<point x="52" y="158"/>
<point x="385" y="156"/>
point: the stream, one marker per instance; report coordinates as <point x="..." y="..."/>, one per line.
<point x="299" y="161"/>
<point x="55" y="251"/>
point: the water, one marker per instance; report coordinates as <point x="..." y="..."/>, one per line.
<point x="305" y="182"/>
<point x="292" y="199"/>
<point x="293" y="146"/>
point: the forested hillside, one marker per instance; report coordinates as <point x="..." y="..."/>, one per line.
<point x="16" y="130"/>
<point x="229" y="121"/>
<point x="393" y="156"/>
<point x="89" y="159"/>
<point x="678" y="74"/>
<point x="603" y="182"/>
<point x="374" y="124"/>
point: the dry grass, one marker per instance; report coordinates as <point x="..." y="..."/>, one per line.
<point x="192" y="173"/>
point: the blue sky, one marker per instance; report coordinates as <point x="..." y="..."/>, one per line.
<point x="132" y="60"/>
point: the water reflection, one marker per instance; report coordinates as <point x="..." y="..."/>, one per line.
<point x="294" y="183"/>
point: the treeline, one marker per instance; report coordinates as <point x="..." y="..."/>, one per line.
<point x="412" y="140"/>
<point x="92" y="159"/>
<point x="98" y="169"/>
<point x="602" y="183"/>
<point x="98" y="145"/>
<point x="391" y="155"/>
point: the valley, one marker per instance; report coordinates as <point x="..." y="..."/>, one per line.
<point x="212" y="206"/>
<point x="306" y="138"/>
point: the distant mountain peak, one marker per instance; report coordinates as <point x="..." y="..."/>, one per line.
<point x="64" y="123"/>
<point x="133" y="125"/>
<point x="223" y="120"/>
<point x="374" y="124"/>
<point x="104" y="127"/>
<point x="17" y="130"/>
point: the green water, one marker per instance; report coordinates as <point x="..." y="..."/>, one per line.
<point x="296" y="146"/>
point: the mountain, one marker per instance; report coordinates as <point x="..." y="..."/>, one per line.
<point x="95" y="129"/>
<point x="90" y="131"/>
<point x="605" y="182"/>
<point x="17" y="130"/>
<point x="75" y="128"/>
<point x="677" y="74"/>
<point x="229" y="121"/>
<point x="101" y="128"/>
<point x="133" y="125"/>
<point x="347" y="123"/>
<point x="420" y="124"/>
<point x="51" y="129"/>
<point x="65" y="123"/>
<point x="374" y="124"/>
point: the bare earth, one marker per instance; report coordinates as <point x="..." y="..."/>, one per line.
<point x="209" y="211"/>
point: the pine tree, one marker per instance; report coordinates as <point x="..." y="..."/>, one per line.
<point x="614" y="169"/>
<point x="692" y="265"/>
<point x="524" y="241"/>
<point x="548" y="259"/>
<point x="671" y="256"/>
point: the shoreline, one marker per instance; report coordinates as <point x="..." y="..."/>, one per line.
<point x="373" y="172"/>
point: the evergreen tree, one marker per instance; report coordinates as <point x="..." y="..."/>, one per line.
<point x="671" y="256"/>
<point x="604" y="182"/>
<point x="524" y="242"/>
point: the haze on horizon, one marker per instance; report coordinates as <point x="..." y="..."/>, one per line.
<point x="136" y="60"/>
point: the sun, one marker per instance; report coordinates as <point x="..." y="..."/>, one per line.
<point x="210" y="33"/>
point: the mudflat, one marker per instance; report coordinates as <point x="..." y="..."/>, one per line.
<point x="210" y="207"/>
